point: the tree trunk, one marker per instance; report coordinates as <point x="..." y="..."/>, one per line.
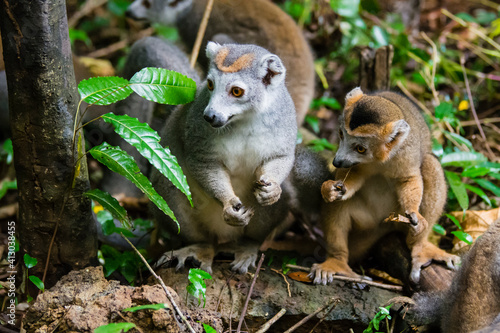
<point x="42" y="102"/>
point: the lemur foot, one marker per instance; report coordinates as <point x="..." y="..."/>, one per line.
<point x="332" y="190"/>
<point x="201" y="253"/>
<point x="418" y="224"/>
<point x="236" y="214"/>
<point x="267" y="191"/>
<point x="423" y="254"/>
<point x="245" y="255"/>
<point x="323" y="273"/>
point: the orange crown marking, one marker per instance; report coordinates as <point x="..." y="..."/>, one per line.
<point x="242" y="62"/>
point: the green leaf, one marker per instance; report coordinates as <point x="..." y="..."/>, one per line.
<point x="114" y="328"/>
<point x="486" y="184"/>
<point x="7" y="151"/>
<point x="454" y="220"/>
<point x="118" y="7"/>
<point x="119" y="161"/>
<point x="76" y="34"/>
<point x="480" y="193"/>
<point x="459" y="139"/>
<point x="197" y="286"/>
<point x="329" y="102"/>
<point x="104" y="90"/>
<point x="209" y="329"/>
<point x="7" y="185"/>
<point x="110" y="204"/>
<point x="29" y="261"/>
<point x="346" y="8"/>
<point x="147" y="142"/>
<point x="462" y="159"/>
<point x="475" y="171"/>
<point x="458" y="189"/>
<point x="380" y="36"/>
<point x="313" y="122"/>
<point x="463" y="236"/>
<point x="438" y="228"/>
<point x="37" y="282"/>
<point x="147" y="306"/>
<point x="163" y="86"/>
<point x="321" y="144"/>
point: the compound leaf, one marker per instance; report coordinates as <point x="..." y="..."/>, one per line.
<point x="119" y="161"/>
<point x="110" y="204"/>
<point x="104" y="90"/>
<point x="147" y="142"/>
<point x="163" y="86"/>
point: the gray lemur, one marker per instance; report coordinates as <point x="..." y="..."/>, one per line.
<point x="236" y="144"/>
<point x="473" y="301"/>
<point x="258" y="22"/>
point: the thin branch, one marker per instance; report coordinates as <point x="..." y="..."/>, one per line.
<point x="159" y="279"/>
<point x="304" y="320"/>
<point x="243" y="312"/>
<point x="473" y="109"/>
<point x="482" y="121"/>
<point x="120" y="44"/>
<point x="271" y="321"/>
<point x="324" y="317"/>
<point x="201" y="32"/>
<point x="355" y="280"/>
<point x="286" y="281"/>
<point x="86" y="9"/>
<point x="434" y="66"/>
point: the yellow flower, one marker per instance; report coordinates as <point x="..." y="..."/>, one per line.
<point x="97" y="208"/>
<point x="464" y="105"/>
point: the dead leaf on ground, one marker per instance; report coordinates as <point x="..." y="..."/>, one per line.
<point x="300" y="276"/>
<point x="475" y="223"/>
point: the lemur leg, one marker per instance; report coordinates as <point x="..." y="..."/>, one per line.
<point x="431" y="208"/>
<point x="203" y="253"/>
<point x="336" y="226"/>
<point x="245" y="254"/>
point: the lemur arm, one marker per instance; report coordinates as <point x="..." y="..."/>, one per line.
<point x="269" y="176"/>
<point x="347" y="182"/>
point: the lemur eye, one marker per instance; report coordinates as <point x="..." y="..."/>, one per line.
<point x="237" y="91"/>
<point x="360" y="149"/>
<point x="210" y="85"/>
<point x="341" y="135"/>
<point x="146" y="4"/>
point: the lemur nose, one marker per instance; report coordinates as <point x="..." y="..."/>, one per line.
<point x="209" y="118"/>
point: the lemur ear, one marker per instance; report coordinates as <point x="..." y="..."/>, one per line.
<point x="271" y="70"/>
<point x="212" y="49"/>
<point x="393" y="135"/>
<point x="353" y="96"/>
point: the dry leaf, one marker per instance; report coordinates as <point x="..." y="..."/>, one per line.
<point x="475" y="223"/>
<point x="300" y="276"/>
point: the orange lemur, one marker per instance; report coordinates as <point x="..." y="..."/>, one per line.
<point x="384" y="164"/>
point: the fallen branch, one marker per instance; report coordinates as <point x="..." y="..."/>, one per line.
<point x="120" y="45"/>
<point x="159" y="279"/>
<point x="271" y="321"/>
<point x="242" y="316"/>
<point x="324" y="317"/>
<point x="355" y="280"/>
<point x="304" y="320"/>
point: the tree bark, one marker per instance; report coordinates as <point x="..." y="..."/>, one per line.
<point x="375" y="68"/>
<point x="42" y="101"/>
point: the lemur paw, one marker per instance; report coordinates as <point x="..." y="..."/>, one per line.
<point x="418" y="223"/>
<point x="423" y="254"/>
<point x="267" y="191"/>
<point x="323" y="273"/>
<point x="236" y="214"/>
<point x="332" y="190"/>
<point x="203" y="254"/>
<point x="243" y="260"/>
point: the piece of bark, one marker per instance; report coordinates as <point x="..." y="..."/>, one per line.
<point x="375" y="68"/>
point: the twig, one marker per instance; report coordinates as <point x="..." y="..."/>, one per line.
<point x="355" y="280"/>
<point x="86" y="9"/>
<point x="286" y="281"/>
<point x="222" y="289"/>
<point x="304" y="320"/>
<point x="326" y="315"/>
<point x="243" y="312"/>
<point x="120" y="45"/>
<point x="473" y="109"/>
<point x="482" y="121"/>
<point x="271" y="321"/>
<point x="201" y="33"/>
<point x="159" y="279"/>
<point x="434" y="66"/>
